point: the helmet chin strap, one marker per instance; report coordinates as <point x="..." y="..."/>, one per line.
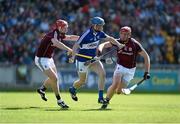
<point x="59" y="29"/>
<point x="94" y="28"/>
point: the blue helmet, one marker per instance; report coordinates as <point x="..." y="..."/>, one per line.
<point x="97" y="21"/>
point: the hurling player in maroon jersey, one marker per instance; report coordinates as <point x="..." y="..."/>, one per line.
<point x="126" y="62"/>
<point x="45" y="62"/>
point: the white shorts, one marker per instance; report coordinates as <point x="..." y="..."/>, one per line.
<point x="81" y="67"/>
<point x="127" y="74"/>
<point x="44" y="63"/>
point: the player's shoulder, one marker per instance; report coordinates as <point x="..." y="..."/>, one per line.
<point x="102" y="33"/>
<point x="49" y="34"/>
<point x="135" y="41"/>
<point x="89" y="30"/>
<point x="86" y="32"/>
<point x="84" y="36"/>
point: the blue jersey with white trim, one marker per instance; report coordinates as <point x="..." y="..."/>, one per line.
<point x="88" y="42"/>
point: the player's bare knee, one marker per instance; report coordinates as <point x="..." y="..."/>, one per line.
<point x="82" y="82"/>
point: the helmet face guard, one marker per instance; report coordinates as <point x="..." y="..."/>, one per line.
<point x="98" y="27"/>
<point x="62" y="26"/>
<point x="125" y="33"/>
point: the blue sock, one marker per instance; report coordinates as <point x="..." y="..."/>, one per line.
<point x="73" y="89"/>
<point x="100" y="94"/>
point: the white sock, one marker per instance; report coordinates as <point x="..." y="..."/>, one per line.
<point x="59" y="101"/>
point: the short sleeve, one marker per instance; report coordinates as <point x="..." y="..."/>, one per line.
<point x="104" y="35"/>
<point x="138" y="47"/>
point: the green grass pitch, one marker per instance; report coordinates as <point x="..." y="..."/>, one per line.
<point x="27" y="107"/>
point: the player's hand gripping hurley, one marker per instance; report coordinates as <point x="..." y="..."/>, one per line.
<point x="127" y="91"/>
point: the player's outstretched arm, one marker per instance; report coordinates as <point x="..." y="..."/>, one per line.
<point x="71" y="38"/>
<point x="114" y="41"/>
<point x="59" y="44"/>
<point x="104" y="45"/>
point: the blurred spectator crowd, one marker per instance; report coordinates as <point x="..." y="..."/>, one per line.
<point x="155" y="24"/>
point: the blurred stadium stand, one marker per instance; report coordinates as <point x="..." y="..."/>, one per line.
<point x="155" y="24"/>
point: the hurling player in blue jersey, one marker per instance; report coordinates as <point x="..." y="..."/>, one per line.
<point x="87" y="45"/>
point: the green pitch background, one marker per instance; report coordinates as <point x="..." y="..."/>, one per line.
<point x="23" y="107"/>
